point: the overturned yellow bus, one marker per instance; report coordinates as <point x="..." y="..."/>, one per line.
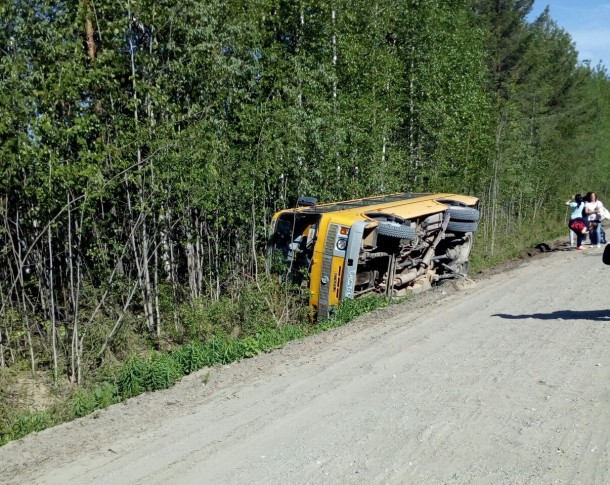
<point x="388" y="244"/>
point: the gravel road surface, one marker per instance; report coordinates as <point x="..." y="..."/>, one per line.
<point x="503" y="381"/>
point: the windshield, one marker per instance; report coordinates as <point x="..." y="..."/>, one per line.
<point x="291" y="244"/>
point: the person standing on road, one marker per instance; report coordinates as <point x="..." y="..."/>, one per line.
<point x="593" y="208"/>
<point x="578" y="223"/>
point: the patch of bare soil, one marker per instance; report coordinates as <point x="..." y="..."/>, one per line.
<point x="502" y="380"/>
<point x="26" y="391"/>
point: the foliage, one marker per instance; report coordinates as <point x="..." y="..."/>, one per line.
<point x="351" y="309"/>
<point x="26" y="423"/>
<point x="144" y="146"/>
<point x="162" y="370"/>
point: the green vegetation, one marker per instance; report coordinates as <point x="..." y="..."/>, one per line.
<point x="145" y="144"/>
<point x="161" y="370"/>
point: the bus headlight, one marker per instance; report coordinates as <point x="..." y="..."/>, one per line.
<point x="341" y="244"/>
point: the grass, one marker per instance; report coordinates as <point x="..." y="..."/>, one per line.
<point x="511" y="242"/>
<point x="161" y="370"/>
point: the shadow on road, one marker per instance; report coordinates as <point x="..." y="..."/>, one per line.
<point x="595" y="315"/>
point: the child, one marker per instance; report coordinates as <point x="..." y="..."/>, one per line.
<point x="577" y="223"/>
<point x="580" y="228"/>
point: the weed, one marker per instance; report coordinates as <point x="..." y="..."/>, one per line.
<point x="190" y="357"/>
<point x="162" y="372"/>
<point x="82" y="403"/>
<point x="25" y="424"/>
<point x="105" y="394"/>
<point x="131" y="377"/>
<point x="249" y="347"/>
<point x="351" y="309"/>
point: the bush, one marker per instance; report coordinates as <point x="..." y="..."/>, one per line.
<point x="251" y="306"/>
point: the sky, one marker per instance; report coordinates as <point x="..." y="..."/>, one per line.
<point x="587" y="21"/>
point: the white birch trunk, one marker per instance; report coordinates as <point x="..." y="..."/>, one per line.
<point x="52" y="309"/>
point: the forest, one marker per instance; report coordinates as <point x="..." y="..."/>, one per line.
<point x="145" y="145"/>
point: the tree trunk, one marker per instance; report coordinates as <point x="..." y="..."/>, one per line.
<point x="496" y="184"/>
<point x="26" y="320"/>
<point x="2" y="363"/>
<point x="52" y="309"/>
<point x="172" y="265"/>
<point x="148" y="290"/>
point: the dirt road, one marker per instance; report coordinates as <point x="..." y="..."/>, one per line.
<point x="507" y="382"/>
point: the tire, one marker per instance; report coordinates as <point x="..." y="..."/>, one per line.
<point x="462" y="226"/>
<point x="606" y="255"/>
<point x="391" y="229"/>
<point x="464" y="214"/>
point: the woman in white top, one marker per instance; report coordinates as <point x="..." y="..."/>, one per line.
<point x="593" y="208"/>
